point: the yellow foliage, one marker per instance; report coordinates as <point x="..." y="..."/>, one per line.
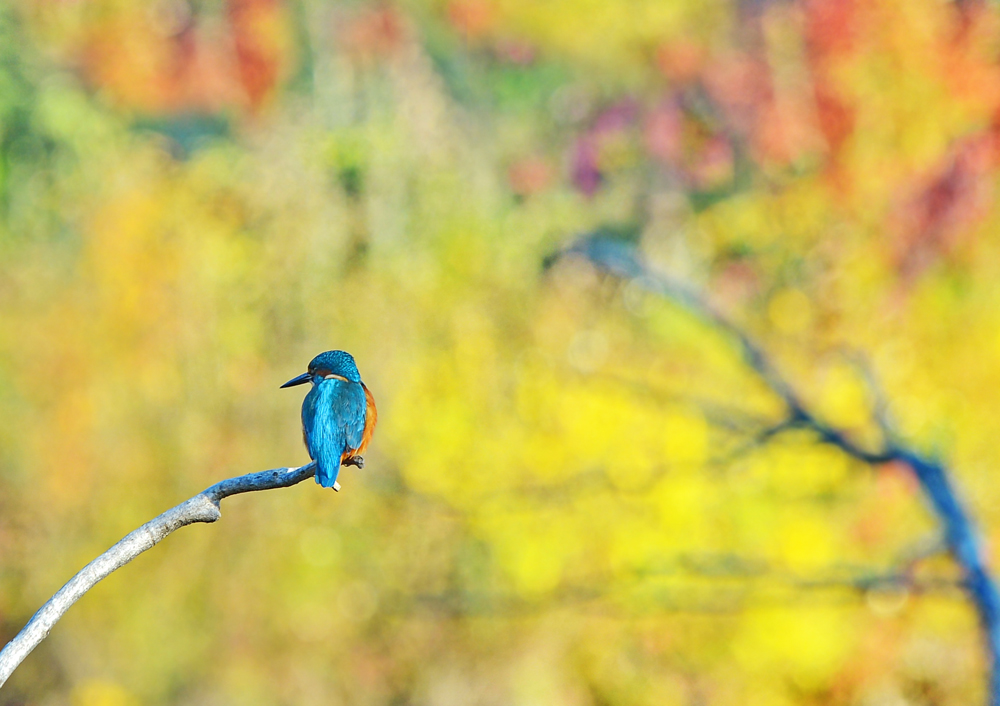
<point x="790" y="312"/>
<point x="806" y="646"/>
<point x="93" y="692"/>
<point x="808" y="543"/>
<point x="574" y="483"/>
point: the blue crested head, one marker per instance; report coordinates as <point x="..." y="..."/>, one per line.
<point x="335" y="363"/>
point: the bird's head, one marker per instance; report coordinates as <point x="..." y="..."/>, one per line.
<point x="331" y="364"/>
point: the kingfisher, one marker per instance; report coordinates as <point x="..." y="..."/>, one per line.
<point x="338" y="415"/>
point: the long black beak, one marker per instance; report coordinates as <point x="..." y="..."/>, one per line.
<point x="301" y="379"/>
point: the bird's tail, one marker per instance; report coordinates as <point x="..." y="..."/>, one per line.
<point x="327" y="470"/>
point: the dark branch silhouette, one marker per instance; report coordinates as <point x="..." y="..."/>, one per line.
<point x="960" y="535"/>
<point x="203" y="507"/>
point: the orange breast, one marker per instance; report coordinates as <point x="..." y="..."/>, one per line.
<point x="371" y="418"/>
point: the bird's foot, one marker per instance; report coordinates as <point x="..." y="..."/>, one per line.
<point x="358" y="461"/>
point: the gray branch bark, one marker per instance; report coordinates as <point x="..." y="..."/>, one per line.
<point x="203" y="507"/>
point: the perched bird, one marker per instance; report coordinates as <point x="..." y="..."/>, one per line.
<point x="338" y="415"/>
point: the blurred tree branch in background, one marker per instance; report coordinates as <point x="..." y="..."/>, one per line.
<point x="203" y="507"/>
<point x="958" y="528"/>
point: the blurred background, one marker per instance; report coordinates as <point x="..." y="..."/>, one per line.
<point x="569" y="499"/>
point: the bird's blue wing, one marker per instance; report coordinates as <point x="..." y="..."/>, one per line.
<point x="350" y="406"/>
<point x="309" y="420"/>
<point x="324" y="436"/>
<point x="333" y="419"/>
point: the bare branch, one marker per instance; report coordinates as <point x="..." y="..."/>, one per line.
<point x="203" y="507"/>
